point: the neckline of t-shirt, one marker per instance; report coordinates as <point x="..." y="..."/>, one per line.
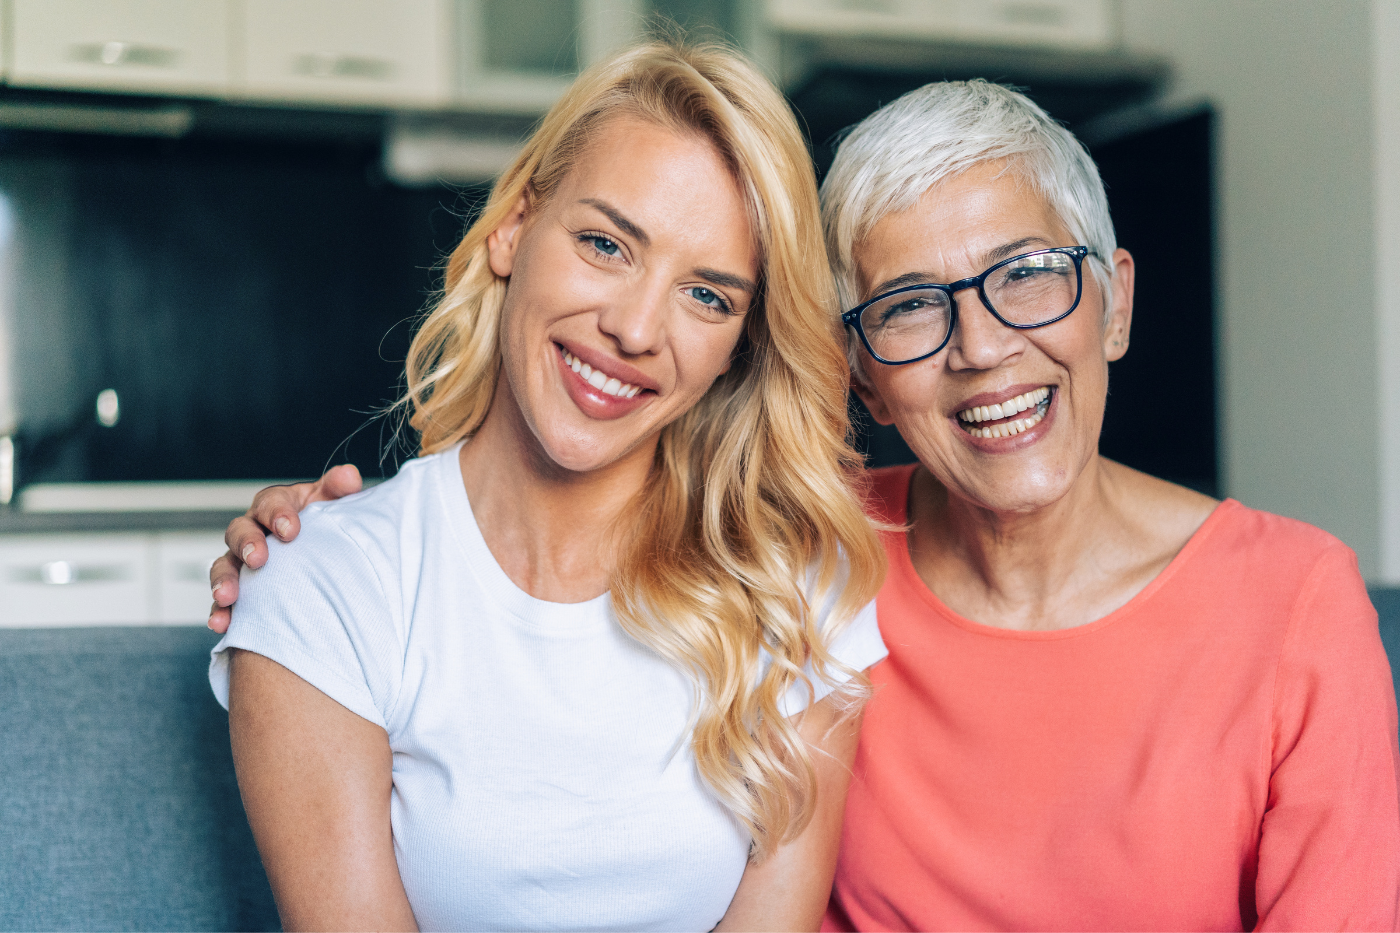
<point x="540" y="615"/>
<point x="905" y="566"/>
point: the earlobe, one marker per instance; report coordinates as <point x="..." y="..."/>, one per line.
<point x="874" y="402"/>
<point x="502" y="242"/>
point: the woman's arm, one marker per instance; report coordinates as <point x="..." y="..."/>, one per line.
<point x="790" y="889"/>
<point x="316" y="781"/>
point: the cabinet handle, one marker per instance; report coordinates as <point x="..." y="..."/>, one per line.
<point x="117" y="54"/>
<point x="66" y="573"/>
<point x="314" y="65"/>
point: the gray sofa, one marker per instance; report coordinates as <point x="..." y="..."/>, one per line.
<point x="118" y="805"/>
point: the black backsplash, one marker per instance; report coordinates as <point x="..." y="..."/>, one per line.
<point x="251" y="302"/>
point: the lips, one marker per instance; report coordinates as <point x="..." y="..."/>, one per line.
<point x="1007" y="418"/>
<point x="602" y="387"/>
<point x="600" y="380"/>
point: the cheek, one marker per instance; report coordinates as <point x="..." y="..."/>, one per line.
<point x="704" y="352"/>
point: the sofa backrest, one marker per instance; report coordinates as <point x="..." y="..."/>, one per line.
<point x="119" y="809"/>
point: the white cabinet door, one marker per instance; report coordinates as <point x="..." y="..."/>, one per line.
<point x="178" y="47"/>
<point x="1066" y="24"/>
<point x="350" y="52"/>
<point x="75" y="580"/>
<point x="182" y="572"/>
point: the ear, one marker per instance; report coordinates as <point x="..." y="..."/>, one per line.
<point x="1120" y="317"/>
<point x="502" y="243"/>
<point x="874" y="401"/>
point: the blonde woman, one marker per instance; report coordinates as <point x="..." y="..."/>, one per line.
<point x="592" y="661"/>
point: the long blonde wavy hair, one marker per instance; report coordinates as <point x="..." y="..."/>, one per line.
<point x="748" y="520"/>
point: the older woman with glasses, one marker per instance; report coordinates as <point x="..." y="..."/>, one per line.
<point x="1110" y="702"/>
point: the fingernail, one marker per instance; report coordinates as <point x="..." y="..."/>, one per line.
<point x="247" y="552"/>
<point x="214" y="590"/>
<point x="210" y="624"/>
<point x="283" y="527"/>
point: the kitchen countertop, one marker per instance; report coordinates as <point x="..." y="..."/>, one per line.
<point x="13" y="521"/>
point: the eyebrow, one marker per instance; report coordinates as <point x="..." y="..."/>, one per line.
<point x="727" y="280"/>
<point x="617" y="217"/>
<point x="991" y="258"/>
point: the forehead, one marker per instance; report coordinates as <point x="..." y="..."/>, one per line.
<point x="672" y="183"/>
<point x="957" y="227"/>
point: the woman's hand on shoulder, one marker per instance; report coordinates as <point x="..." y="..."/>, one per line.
<point x="274" y="511"/>
<point x="316" y="780"/>
<point x="790" y="889"/>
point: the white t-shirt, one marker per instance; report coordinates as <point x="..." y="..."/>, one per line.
<point x="542" y="769"/>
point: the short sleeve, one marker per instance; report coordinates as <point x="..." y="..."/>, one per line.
<point x="1329" y="853"/>
<point x="317" y="608"/>
<point x="857" y="646"/>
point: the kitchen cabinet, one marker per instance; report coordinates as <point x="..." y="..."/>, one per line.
<point x="374" y="53"/>
<point x="169" y="47"/>
<point x="151" y="578"/>
<point x="1062" y="24"/>
<point x="521" y="55"/>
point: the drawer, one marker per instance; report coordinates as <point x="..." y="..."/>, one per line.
<point x="182" y="571"/>
<point x="353" y="52"/>
<point x="76" y="580"/>
<point x="157" y="46"/>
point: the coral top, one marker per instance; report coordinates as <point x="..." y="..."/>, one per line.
<point x="1218" y="754"/>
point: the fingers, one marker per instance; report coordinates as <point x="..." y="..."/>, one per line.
<point x="219" y="618"/>
<point x="339" y="481"/>
<point x="274" y="509"/>
<point x="247" y="541"/>
<point x="223" y="580"/>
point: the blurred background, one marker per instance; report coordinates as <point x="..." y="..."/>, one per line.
<point x="219" y="220"/>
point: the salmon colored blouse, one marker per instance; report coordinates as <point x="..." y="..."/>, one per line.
<point x="1218" y="754"/>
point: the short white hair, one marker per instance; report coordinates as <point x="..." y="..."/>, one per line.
<point x="890" y="159"/>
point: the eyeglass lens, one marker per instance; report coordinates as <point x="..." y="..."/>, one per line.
<point x="1028" y="290"/>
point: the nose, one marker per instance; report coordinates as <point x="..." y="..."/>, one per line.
<point x="635" y="318"/>
<point x="979" y="340"/>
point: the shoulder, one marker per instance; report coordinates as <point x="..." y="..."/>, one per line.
<point x="885" y="492"/>
<point x="1260" y="565"/>
<point x="1259" y="537"/>
<point x="375" y="518"/>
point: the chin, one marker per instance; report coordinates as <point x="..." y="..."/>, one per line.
<point x="1018" y="492"/>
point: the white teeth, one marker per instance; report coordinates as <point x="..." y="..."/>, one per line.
<point x="598" y="380"/>
<point x="1005" y="409"/>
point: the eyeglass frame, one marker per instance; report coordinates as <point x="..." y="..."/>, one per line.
<point x="851" y="318"/>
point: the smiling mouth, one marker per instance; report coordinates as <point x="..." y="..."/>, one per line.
<point x="1006" y="419"/>
<point x="610" y="385"/>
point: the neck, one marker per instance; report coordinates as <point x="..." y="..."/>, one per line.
<point x="1020" y="570"/>
<point x="556" y="533"/>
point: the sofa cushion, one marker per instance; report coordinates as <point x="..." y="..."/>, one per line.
<point x="120" y="808"/>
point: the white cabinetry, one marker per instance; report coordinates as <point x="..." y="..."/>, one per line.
<point x="177" y="47"/>
<point x="394" y="53"/>
<point x="106" y="579"/>
<point x="1067" y="24"/>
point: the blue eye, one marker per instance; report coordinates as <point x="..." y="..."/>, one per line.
<point x="603" y="245"/>
<point x="708" y="298"/>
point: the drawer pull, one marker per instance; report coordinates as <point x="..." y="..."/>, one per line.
<point x="66" y="573"/>
<point x="114" y="54"/>
<point x="343" y="66"/>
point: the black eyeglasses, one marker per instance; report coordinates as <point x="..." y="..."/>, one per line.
<point x="909" y="324"/>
